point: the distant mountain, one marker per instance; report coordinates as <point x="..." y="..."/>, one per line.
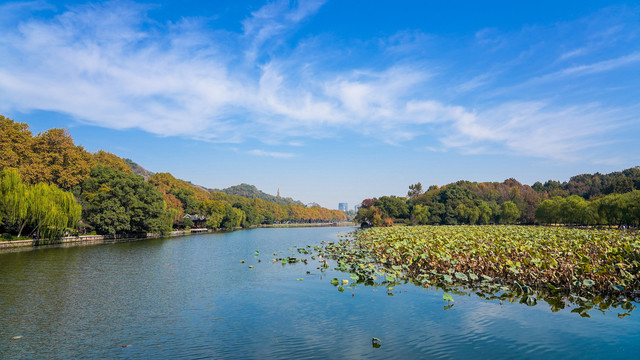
<point x="250" y="191"/>
<point x="139" y="170"/>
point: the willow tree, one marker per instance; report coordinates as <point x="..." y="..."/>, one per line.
<point x="14" y="198"/>
<point x="52" y="210"/>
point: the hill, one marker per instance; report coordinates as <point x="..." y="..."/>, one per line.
<point x="139" y="170"/>
<point x="252" y="192"/>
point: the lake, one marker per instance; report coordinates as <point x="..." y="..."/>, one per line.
<point x="193" y="298"/>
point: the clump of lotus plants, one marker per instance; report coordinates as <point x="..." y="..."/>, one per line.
<point x="562" y="266"/>
<point x="586" y="269"/>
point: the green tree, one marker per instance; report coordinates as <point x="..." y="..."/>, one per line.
<point x="215" y="212"/>
<point x="548" y="212"/>
<point x="610" y="209"/>
<point x="52" y="210"/>
<point x="619" y="185"/>
<point x="233" y="217"/>
<point x="392" y="207"/>
<point x="484" y="212"/>
<point x="509" y="212"/>
<point x="252" y="216"/>
<point x="186" y="222"/>
<point x="420" y="215"/>
<point x="122" y="202"/>
<point x="189" y="204"/>
<point x="215" y="220"/>
<point x="14" y="199"/>
<point x="632" y="213"/>
<point x="47" y="208"/>
<point x="468" y="214"/>
<point x="370" y="216"/>
<point x="574" y="210"/>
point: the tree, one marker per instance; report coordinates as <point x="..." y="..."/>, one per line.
<point x="485" y="212"/>
<point x="175" y="205"/>
<point x="56" y="160"/>
<point x="367" y="203"/>
<point x="122" y="202"/>
<point x="187" y="222"/>
<point x="468" y="214"/>
<point x="215" y="220"/>
<point x="420" y="215"/>
<point x="632" y="213"/>
<point x="574" y="210"/>
<point x="415" y="190"/>
<point x="189" y="203"/>
<point x="392" y="207"/>
<point x="215" y="211"/>
<point x="537" y="186"/>
<point x="252" y="216"/>
<point x="233" y="217"/>
<point x="14" y="199"/>
<point x="619" y="185"/>
<point x="47" y="208"/>
<point x="548" y="212"/>
<point x="52" y="210"/>
<point x="610" y="209"/>
<point x="371" y="216"/>
<point x="15" y="143"/>
<point x="108" y="159"/>
<point x="509" y="212"/>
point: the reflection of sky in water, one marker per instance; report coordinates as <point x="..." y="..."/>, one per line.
<point x="192" y="297"/>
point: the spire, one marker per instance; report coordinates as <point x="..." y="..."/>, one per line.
<point x="278" y="192"/>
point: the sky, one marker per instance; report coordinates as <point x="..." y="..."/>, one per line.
<point x="333" y="101"/>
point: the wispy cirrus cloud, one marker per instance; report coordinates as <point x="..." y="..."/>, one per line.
<point x="538" y="129"/>
<point x="602" y="66"/>
<point x="273" y="154"/>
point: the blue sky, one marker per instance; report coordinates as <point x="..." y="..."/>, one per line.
<point x="333" y="101"/>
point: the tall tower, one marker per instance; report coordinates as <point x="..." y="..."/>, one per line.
<point x="278" y="192"/>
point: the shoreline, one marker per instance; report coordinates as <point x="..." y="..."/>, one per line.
<point x="68" y="241"/>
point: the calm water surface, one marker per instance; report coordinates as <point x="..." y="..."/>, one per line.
<point x="192" y="298"/>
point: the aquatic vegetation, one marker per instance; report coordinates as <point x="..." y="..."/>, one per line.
<point x="585" y="269"/>
<point x="591" y="268"/>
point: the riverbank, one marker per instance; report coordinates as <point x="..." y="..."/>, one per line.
<point x="14" y="245"/>
<point x="29" y="244"/>
<point x="334" y="224"/>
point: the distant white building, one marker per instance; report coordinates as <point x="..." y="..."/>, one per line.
<point x="313" y="204"/>
<point x="356" y="207"/>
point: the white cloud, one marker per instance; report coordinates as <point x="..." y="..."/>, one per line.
<point x="275" y="19"/>
<point x="601" y="66"/>
<point x="536" y="129"/>
<point x="473" y="84"/>
<point x="274" y="154"/>
<point x="574" y="53"/>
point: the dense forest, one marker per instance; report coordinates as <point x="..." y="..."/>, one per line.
<point x="49" y="186"/>
<point x="588" y="199"/>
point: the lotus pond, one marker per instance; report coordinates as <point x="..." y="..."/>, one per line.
<point x="580" y="268"/>
<point x="223" y="296"/>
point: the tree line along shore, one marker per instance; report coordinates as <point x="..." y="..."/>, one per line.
<point x="50" y="187"/>
<point x="585" y="200"/>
